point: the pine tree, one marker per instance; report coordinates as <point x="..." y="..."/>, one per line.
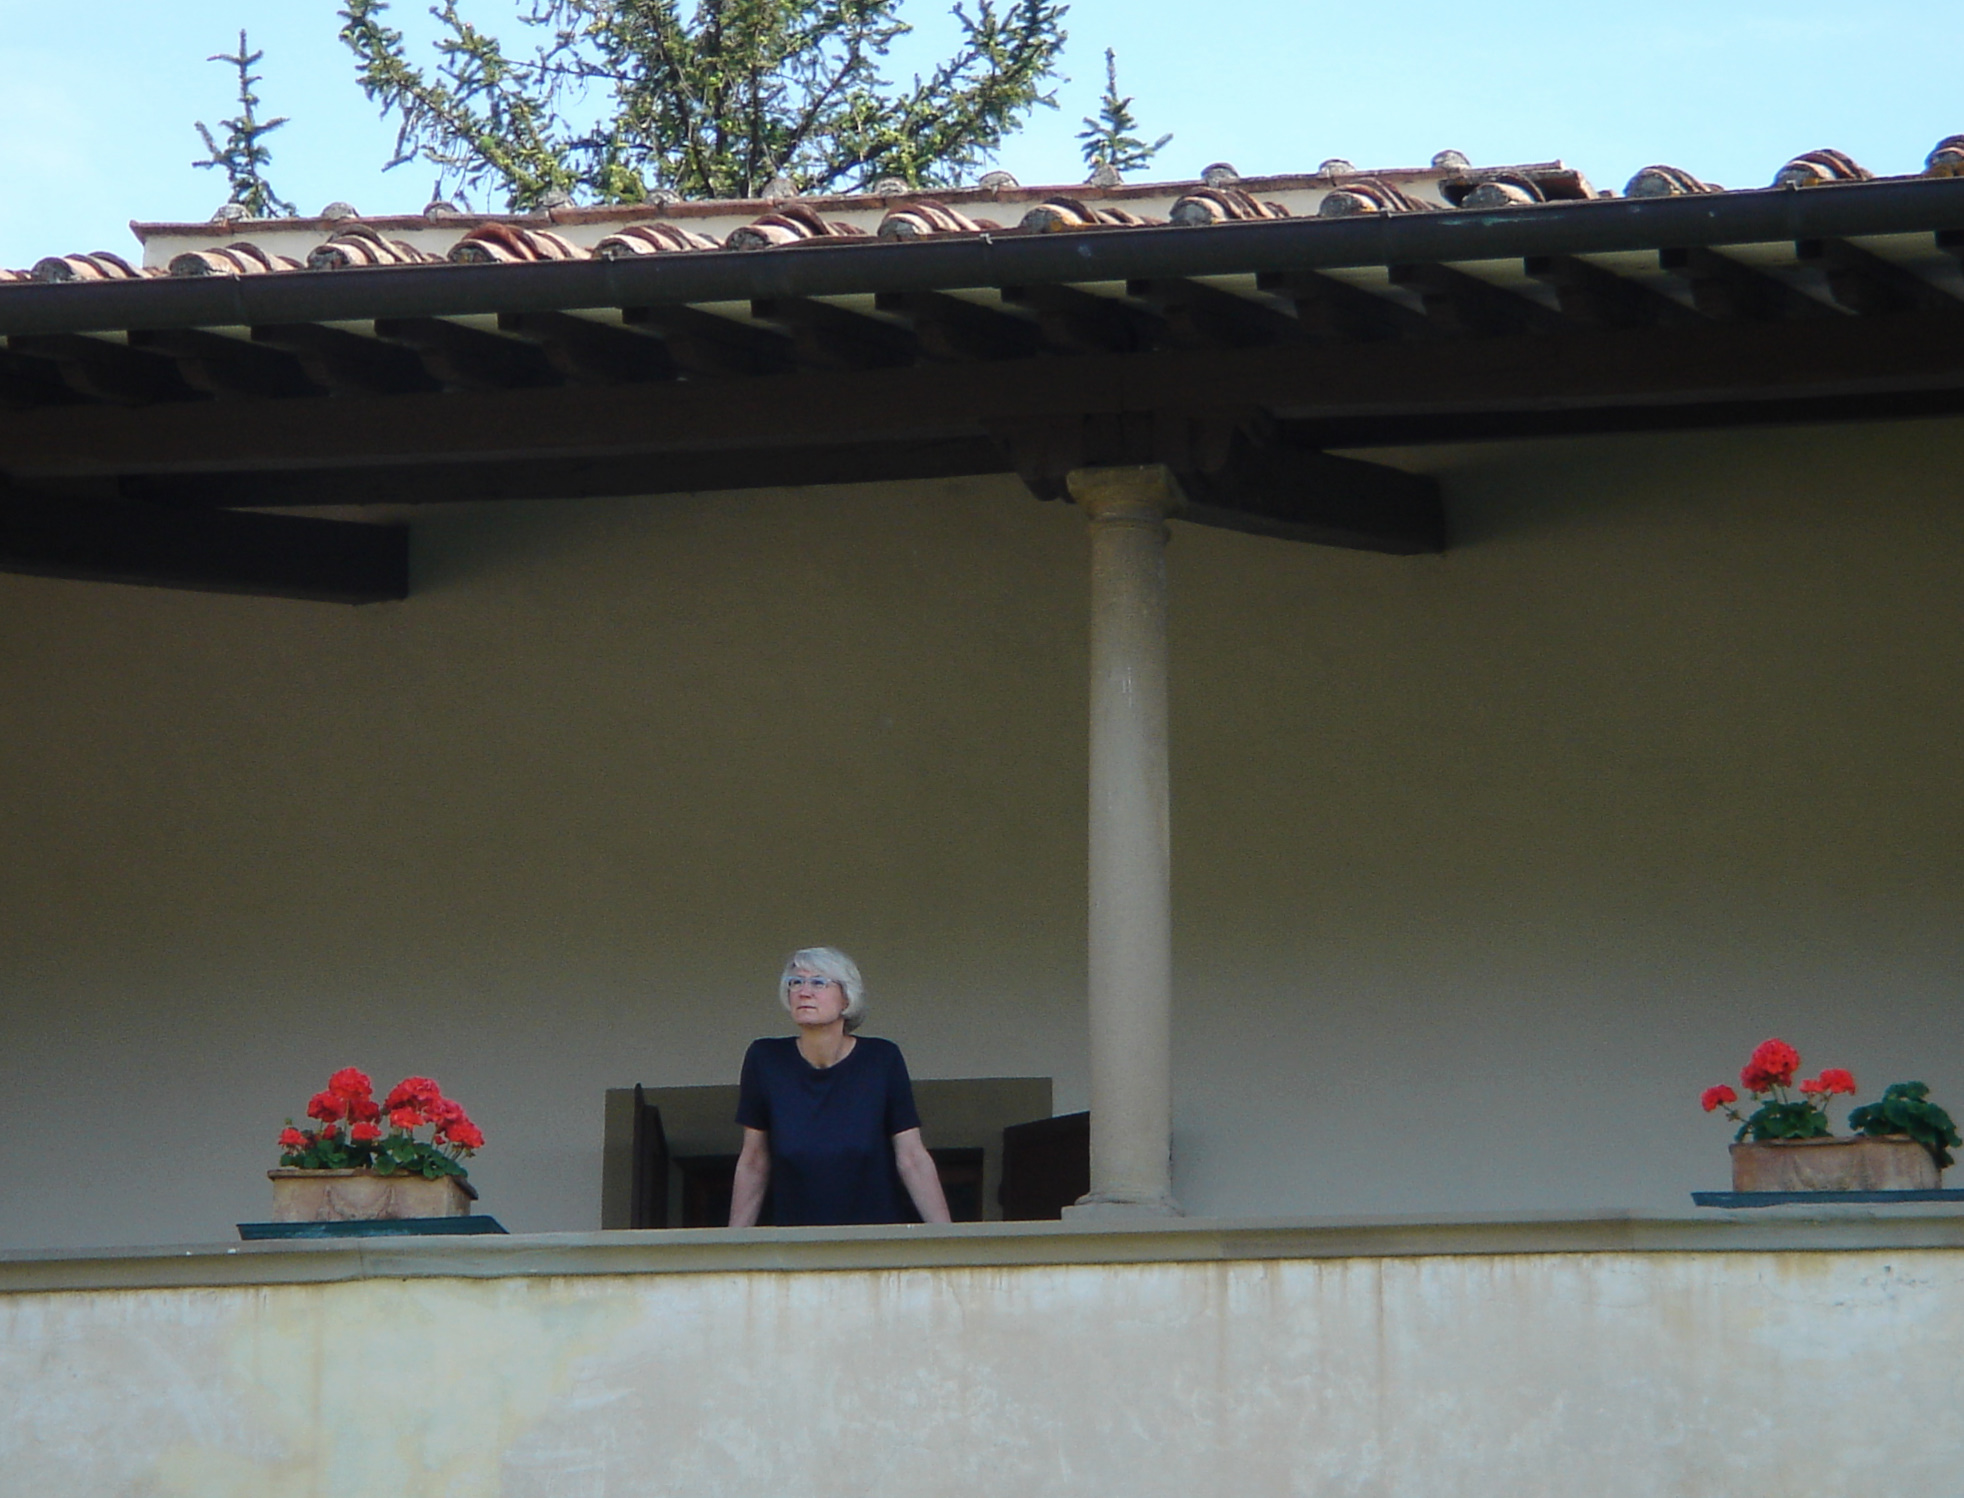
<point x="244" y="155"/>
<point x="735" y="99"/>
<point x="1107" y="140"/>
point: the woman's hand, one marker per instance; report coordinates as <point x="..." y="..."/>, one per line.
<point x="753" y="1177"/>
<point x="917" y="1174"/>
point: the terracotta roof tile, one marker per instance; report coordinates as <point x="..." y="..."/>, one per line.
<point x="658" y="227"/>
<point x="241" y="259"/>
<point x="1817" y="167"/>
<point x="1369" y="195"/>
<point x="926" y="217"/>
<point x="1221" y="204"/>
<point x="1946" y="158"/>
<point x="98" y="265"/>
<point x="357" y="244"/>
<point x="1665" y="182"/>
<point x="651" y="239"/>
<point x="1507" y="187"/>
<point x="1502" y="192"/>
<point x="792" y="224"/>
<point x="1054" y="215"/>
<point x="495" y="244"/>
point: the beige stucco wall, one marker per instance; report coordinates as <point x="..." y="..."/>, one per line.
<point x="1484" y="863"/>
<point x="1622" y="1375"/>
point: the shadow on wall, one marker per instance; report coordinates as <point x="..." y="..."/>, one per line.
<point x="1539" y="837"/>
<point x="547" y="826"/>
<point x="458" y="548"/>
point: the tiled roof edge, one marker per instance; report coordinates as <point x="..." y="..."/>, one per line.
<point x="954" y="197"/>
<point x="866" y="264"/>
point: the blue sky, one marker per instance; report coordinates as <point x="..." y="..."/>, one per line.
<point x="97" y="101"/>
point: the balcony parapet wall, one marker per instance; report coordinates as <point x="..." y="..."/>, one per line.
<point x="1619" y="1355"/>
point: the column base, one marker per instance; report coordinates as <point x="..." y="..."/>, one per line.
<point x="1106" y="1207"/>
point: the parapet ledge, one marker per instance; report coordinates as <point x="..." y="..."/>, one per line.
<point x="1825" y="1229"/>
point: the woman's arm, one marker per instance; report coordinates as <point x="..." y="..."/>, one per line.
<point x="917" y="1174"/>
<point x="753" y="1175"/>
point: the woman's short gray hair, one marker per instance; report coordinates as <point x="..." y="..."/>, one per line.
<point x="827" y="962"/>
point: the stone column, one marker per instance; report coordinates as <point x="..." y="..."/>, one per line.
<point x="1131" y="947"/>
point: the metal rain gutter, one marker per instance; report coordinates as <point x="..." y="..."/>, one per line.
<point x="839" y="269"/>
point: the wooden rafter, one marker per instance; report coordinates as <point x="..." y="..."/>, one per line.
<point x="1728" y="290"/>
<point x="587" y="352"/>
<point x="1412" y="381"/>
<point x="213" y="551"/>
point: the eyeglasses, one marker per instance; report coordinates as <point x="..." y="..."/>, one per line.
<point x="805" y="980"/>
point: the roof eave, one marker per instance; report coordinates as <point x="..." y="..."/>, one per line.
<point x="947" y="262"/>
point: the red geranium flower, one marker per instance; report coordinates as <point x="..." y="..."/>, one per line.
<point x="407" y="1118"/>
<point x="1717" y="1096"/>
<point x="465" y="1133"/>
<point x="330" y="1131"/>
<point x="365" y="1133"/>
<point x="1837" y="1079"/>
<point x="413" y="1092"/>
<point x="291" y="1138"/>
<point x="363" y="1110"/>
<point x="447" y="1111"/>
<point x="326" y="1106"/>
<point x="1773" y="1064"/>
<point x="350" y="1083"/>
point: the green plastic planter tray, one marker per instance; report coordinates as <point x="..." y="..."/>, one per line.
<point x="385" y="1227"/>
<point x="1812" y="1198"/>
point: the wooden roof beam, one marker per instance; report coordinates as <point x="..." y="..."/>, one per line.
<point x="1587" y="421"/>
<point x="586" y="352"/>
<point x="1045" y="448"/>
<point x="705" y="346"/>
<point x="1240" y="471"/>
<point x="1465" y="306"/>
<point x="465" y="358"/>
<point x="952" y="330"/>
<point x="1835" y="358"/>
<point x="827" y="337"/>
<point x="1865" y="283"/>
<point x="1332" y="311"/>
<point x="345" y="363"/>
<point x="596" y="476"/>
<point x="1197" y="315"/>
<point x="1727" y="291"/>
<point x="229" y="368"/>
<point x="108" y="370"/>
<point x="211" y="551"/>
<point x="1073" y="321"/>
<point x="25" y="383"/>
<point x="1269" y="488"/>
<point x="1594" y="297"/>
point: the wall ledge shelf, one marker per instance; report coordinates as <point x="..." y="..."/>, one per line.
<point x="1790" y="1228"/>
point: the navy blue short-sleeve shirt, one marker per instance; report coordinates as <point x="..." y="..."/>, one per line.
<point x="831" y="1129"/>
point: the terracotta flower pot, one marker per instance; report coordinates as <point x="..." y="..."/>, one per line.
<point x="1858" y="1164"/>
<point x="364" y="1196"/>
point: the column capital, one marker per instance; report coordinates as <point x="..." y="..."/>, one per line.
<point x="1147" y="492"/>
<point x="1121" y="1207"/>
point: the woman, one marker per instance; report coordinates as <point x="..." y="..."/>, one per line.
<point x="829" y="1127"/>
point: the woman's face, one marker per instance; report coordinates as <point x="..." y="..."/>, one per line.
<point x="815" y="1001"/>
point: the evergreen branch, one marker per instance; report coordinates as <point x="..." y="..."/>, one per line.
<point x="244" y="155"/>
<point x="1108" y="141"/>
<point x="711" y="105"/>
